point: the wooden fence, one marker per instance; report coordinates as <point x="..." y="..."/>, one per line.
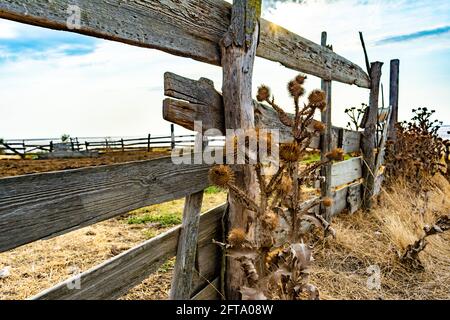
<point x="23" y="147"/>
<point x="44" y="205"/>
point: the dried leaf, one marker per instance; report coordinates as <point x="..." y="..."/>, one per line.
<point x="252" y="294"/>
<point x="302" y="254"/>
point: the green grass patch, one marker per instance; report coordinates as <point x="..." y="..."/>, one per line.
<point x="164" y="220"/>
<point x="315" y="157"/>
<point x="213" y="190"/>
<point x="311" y="158"/>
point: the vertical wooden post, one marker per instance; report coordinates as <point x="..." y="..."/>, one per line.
<point x="172" y="136"/>
<point x="148" y="142"/>
<point x="393" y="97"/>
<point x="51" y="146"/>
<point x="86" y="144"/>
<point x="122" y="145"/>
<point x="187" y="243"/>
<point x="106" y="144"/>
<point x="368" y="141"/>
<point x="238" y="48"/>
<point x="326" y="141"/>
<point x="72" y="144"/>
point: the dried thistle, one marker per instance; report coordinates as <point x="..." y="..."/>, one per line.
<point x="237" y="237"/>
<point x="300" y="78"/>
<point x="221" y="176"/>
<point x="270" y="220"/>
<point x="290" y="152"/>
<point x="295" y="89"/>
<point x="327" y="202"/>
<point x="317" y="99"/>
<point x="336" y="154"/>
<point x="319" y="127"/>
<point x="263" y="93"/>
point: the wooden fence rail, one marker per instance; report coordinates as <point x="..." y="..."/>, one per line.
<point x="42" y="205"/>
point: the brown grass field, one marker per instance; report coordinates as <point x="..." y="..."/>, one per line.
<point x="340" y="269"/>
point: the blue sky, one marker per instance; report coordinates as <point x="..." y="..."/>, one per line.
<point x="54" y="82"/>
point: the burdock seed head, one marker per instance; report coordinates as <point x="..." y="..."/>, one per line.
<point x="221" y="175"/>
<point x="327" y="202"/>
<point x="295" y="89"/>
<point x="319" y="127"/>
<point x="335" y="154"/>
<point x="300" y="78"/>
<point x="290" y="152"/>
<point x="270" y="220"/>
<point x="263" y="93"/>
<point x="236" y="237"/>
<point x="317" y="99"/>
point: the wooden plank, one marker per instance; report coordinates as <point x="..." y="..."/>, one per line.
<point x="210" y="292"/>
<point x="393" y="97"/>
<point x="347" y="199"/>
<point x="326" y="142"/>
<point x="42" y="205"/>
<point x="368" y="142"/>
<point x="187" y="28"/>
<point x="351" y="141"/>
<point x="187" y="248"/>
<point x="345" y="172"/>
<point x="114" y="277"/>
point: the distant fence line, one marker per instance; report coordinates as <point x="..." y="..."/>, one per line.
<point x="23" y="147"/>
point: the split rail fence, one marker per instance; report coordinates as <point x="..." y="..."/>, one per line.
<point x="38" y="146"/>
<point x="45" y="205"/>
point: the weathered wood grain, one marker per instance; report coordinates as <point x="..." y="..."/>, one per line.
<point x="325" y="142"/>
<point x="347" y="199"/>
<point x="210" y="292"/>
<point x="350" y="140"/>
<point x="345" y="172"/>
<point x="393" y="97"/>
<point x="187" y="248"/>
<point x="186" y="28"/>
<point x="115" y="277"/>
<point x="368" y="141"/>
<point x="42" y="205"/>
<point x="238" y="50"/>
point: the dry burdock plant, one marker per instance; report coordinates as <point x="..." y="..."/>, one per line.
<point x="274" y="252"/>
<point x="418" y="151"/>
<point x="411" y="255"/>
<point x="356" y="115"/>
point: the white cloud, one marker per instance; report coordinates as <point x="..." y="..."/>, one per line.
<point x="8" y="30"/>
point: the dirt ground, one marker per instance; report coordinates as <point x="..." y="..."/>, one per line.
<point x="14" y="167"/>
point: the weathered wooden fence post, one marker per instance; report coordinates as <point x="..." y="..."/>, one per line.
<point x="326" y="141"/>
<point x="148" y="142"/>
<point x="238" y="47"/>
<point x="187" y="243"/>
<point x="368" y="141"/>
<point x="393" y="97"/>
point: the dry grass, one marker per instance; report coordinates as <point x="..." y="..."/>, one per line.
<point x="365" y="240"/>
<point x="42" y="264"/>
